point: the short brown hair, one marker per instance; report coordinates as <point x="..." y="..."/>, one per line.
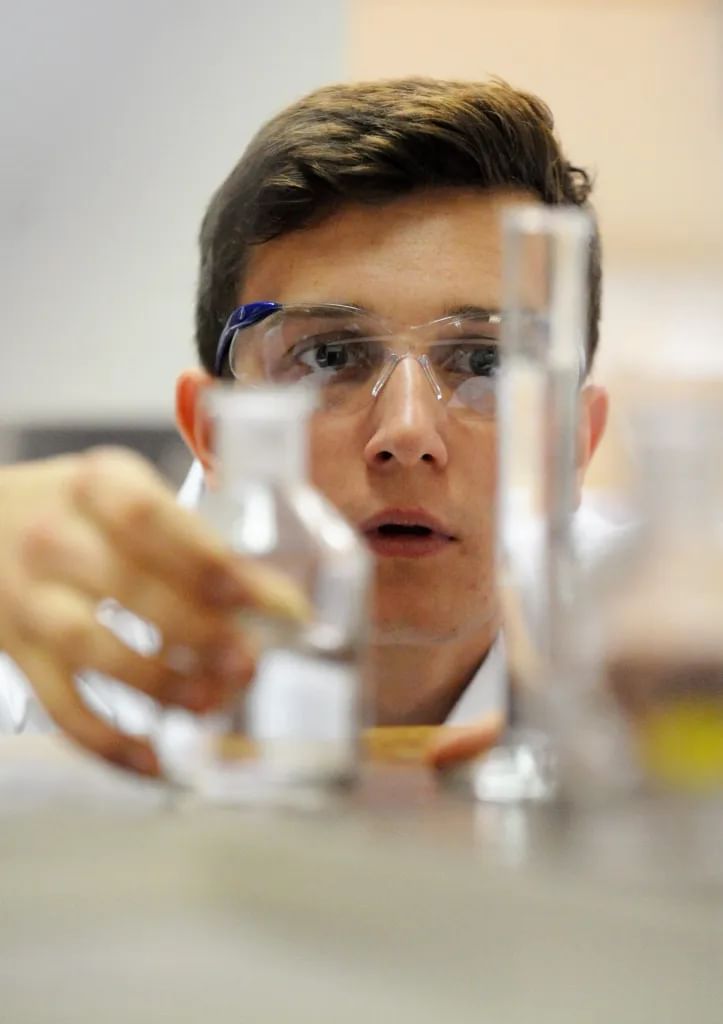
<point x="371" y="142"/>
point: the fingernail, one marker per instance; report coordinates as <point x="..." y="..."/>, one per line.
<point x="288" y="603"/>
<point x="277" y="595"/>
<point x="265" y="588"/>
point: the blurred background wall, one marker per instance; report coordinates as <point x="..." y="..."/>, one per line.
<point x="636" y="87"/>
<point x="119" y="119"/>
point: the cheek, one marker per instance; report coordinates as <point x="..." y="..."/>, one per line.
<point x="476" y="496"/>
<point x="475" y="466"/>
<point x="331" y="461"/>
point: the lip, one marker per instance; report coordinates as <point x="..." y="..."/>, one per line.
<point x="438" y="539"/>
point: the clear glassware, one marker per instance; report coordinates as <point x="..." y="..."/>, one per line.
<point x="542" y="361"/>
<point x="644" y="702"/>
<point x="297" y="728"/>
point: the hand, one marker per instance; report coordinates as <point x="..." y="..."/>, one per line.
<point x="453" y="744"/>
<point x="77" y="529"/>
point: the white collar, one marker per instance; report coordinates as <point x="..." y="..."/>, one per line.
<point x="486" y="690"/>
<point x="192" y="487"/>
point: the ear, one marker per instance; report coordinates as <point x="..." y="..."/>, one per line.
<point x="191" y="418"/>
<point x="594" y="404"/>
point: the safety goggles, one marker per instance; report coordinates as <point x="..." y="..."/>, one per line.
<point x="349" y="354"/>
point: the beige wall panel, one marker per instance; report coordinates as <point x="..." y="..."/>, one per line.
<point x="637" y="92"/>
<point x="635" y="88"/>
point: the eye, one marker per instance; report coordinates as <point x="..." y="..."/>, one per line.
<point x="470" y="359"/>
<point x="327" y="353"/>
<point x="483" y="360"/>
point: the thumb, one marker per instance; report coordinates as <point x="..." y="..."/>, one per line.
<point x="455" y="743"/>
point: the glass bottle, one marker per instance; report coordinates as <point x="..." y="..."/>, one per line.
<point x="298" y="725"/>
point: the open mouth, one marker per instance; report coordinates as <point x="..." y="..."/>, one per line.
<point x="402" y="530"/>
<point x="407" y="534"/>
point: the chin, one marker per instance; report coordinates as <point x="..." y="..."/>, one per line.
<point x="400" y="623"/>
<point x="404" y="634"/>
<point x="422" y="613"/>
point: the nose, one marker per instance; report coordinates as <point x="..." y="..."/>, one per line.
<point x="408" y="420"/>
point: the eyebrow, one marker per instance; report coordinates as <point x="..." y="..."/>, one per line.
<point x="483" y="312"/>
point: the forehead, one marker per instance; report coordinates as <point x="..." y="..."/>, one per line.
<point x="412" y="257"/>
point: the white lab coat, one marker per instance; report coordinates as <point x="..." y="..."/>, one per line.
<point x="20" y="711"/>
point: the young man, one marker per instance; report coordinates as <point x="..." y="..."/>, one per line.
<point x="362" y="211"/>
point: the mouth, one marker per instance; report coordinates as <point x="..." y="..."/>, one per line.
<point x="406" y="533"/>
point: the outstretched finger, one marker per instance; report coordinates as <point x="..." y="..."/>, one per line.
<point x="453" y="744"/>
<point x="55" y="686"/>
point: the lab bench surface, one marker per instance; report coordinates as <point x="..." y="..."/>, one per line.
<point x="399" y="902"/>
